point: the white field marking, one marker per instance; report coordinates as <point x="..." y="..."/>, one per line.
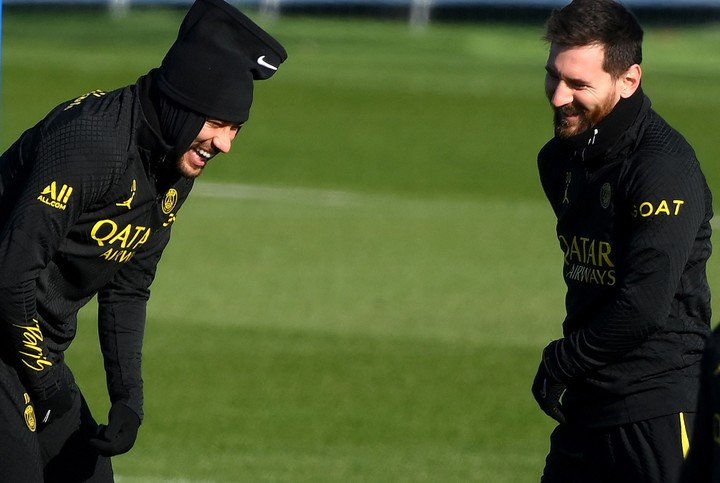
<point x="239" y="191"/>
<point x="336" y="198"/>
<point x="152" y="479"/>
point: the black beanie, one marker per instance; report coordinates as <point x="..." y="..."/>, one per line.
<point x="218" y="53"/>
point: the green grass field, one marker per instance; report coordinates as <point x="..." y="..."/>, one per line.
<point x="359" y="291"/>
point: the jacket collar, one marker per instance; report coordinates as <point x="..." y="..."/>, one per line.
<point x="156" y="155"/>
<point x="149" y="132"/>
<point x="615" y="132"/>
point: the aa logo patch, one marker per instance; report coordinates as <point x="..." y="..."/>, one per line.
<point x="51" y="196"/>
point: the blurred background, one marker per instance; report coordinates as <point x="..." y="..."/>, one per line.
<point x="361" y="289"/>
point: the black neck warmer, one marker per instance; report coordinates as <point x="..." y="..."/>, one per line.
<point x="599" y="140"/>
<point x="176" y="126"/>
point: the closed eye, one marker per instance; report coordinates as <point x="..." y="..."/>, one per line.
<point x="221" y="124"/>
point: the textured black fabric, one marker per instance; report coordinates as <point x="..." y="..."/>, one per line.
<point x="634" y="229"/>
<point x="59" y="452"/>
<point x="596" y="143"/>
<point x="703" y="462"/>
<point x="648" y="451"/>
<point x="179" y="126"/>
<point x="66" y="454"/>
<point x="152" y="138"/>
<point x="92" y="216"/>
<point x="176" y="126"/>
<point x="88" y="198"/>
<point x="218" y="53"/>
<point x="19" y="446"/>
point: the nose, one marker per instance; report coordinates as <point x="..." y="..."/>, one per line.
<point x="559" y="93"/>
<point x="222" y="141"/>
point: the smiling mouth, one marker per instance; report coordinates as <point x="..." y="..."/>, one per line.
<point x="567" y="116"/>
<point x="569" y="111"/>
<point x="205" y="155"/>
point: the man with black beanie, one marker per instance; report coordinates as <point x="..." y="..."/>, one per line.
<point x="88" y="198"/>
<point x="633" y="222"/>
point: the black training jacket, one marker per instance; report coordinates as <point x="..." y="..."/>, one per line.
<point x="633" y="222"/>
<point x="86" y="208"/>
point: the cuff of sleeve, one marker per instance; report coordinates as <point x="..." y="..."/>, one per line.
<point x="552" y="357"/>
<point x="134" y="405"/>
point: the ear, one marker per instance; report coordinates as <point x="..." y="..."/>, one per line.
<point x="630" y="81"/>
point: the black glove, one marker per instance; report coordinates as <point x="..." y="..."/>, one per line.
<point x="548" y="392"/>
<point x="51" y="408"/>
<point x="120" y="433"/>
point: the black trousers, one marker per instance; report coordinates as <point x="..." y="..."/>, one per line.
<point x="650" y="451"/>
<point x="56" y="453"/>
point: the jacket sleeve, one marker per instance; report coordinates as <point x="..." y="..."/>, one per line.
<point x="549" y="173"/>
<point x="667" y="202"/>
<point x="121" y="323"/>
<point x="50" y="178"/>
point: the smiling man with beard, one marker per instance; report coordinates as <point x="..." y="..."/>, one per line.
<point x="88" y="198"/>
<point x="633" y="222"/>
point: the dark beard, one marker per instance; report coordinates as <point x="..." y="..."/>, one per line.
<point x="185" y="172"/>
<point x="563" y="129"/>
<point x="587" y="119"/>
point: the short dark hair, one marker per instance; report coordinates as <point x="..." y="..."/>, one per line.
<point x="602" y="22"/>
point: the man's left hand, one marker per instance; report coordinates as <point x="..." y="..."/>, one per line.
<point x="548" y="392"/>
<point x="120" y="433"/>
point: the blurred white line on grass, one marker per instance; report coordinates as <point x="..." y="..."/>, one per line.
<point x="240" y="191"/>
<point x="151" y="479"/>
